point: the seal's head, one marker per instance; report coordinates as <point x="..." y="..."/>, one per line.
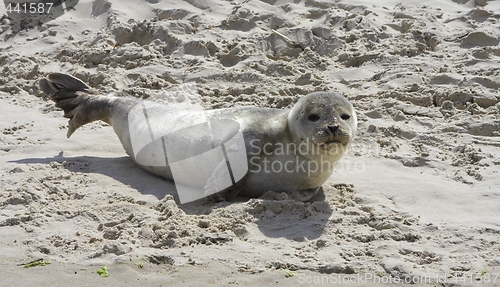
<point x="325" y="119"/>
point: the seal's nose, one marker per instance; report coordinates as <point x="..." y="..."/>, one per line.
<point x="333" y="129"/>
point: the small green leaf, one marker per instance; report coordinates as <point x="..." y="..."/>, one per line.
<point x="140" y="265"/>
<point x="289" y="273"/>
<point x="103" y="271"/>
<point x="484" y="271"/>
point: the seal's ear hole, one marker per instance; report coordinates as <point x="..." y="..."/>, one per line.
<point x="345" y="117"/>
<point x="313" y="117"/>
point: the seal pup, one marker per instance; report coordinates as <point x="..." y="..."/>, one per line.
<point x="288" y="150"/>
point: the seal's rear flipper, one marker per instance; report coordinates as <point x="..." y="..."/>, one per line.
<point x="58" y="81"/>
<point x="76" y="99"/>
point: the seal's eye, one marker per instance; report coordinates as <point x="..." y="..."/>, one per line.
<point x="313" y="118"/>
<point x="345" y="117"/>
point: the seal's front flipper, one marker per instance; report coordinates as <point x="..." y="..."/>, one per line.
<point x="76" y="99"/>
<point x="228" y="195"/>
<point x="304" y="195"/>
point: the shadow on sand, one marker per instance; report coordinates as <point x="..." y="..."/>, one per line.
<point x="289" y="219"/>
<point x="122" y="169"/>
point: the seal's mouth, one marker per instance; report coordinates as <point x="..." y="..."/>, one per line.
<point x="331" y="135"/>
<point x="333" y="141"/>
<point x="329" y="140"/>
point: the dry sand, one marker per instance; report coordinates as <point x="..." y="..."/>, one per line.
<point x="416" y="198"/>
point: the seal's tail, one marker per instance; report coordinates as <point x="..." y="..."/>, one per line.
<point x="76" y="99"/>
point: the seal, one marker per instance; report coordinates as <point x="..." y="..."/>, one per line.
<point x="287" y="150"/>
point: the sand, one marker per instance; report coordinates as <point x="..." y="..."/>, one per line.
<point x="415" y="198"/>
